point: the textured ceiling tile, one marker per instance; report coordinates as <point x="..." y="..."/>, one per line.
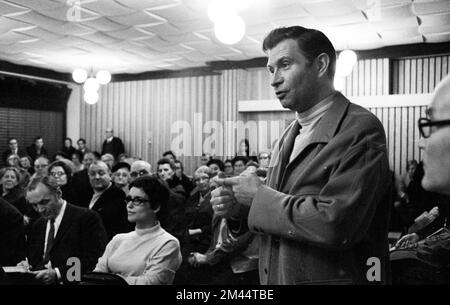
<point x="108" y="8"/>
<point x="431" y="7"/>
<point x="352" y="18"/>
<point x="182" y="38"/>
<point x="10" y="9"/>
<point x="100" y="38"/>
<point x="392" y="35"/>
<point x="73" y="29"/>
<point x="66" y="13"/>
<point x="434" y="29"/>
<point x="7" y="24"/>
<point x="176" y="11"/>
<point x="143" y="4"/>
<point x="399" y="40"/>
<point x="400" y="23"/>
<point x="103" y="24"/>
<point x="11" y="37"/>
<point x="309" y="22"/>
<point x="38" y="32"/>
<point x="193" y="26"/>
<point x="155" y="41"/>
<point x="435" y="19"/>
<point x="163" y="29"/>
<point x="394" y="13"/>
<point x="137" y="19"/>
<point x="130" y="33"/>
<point x="38" y="19"/>
<point x="41" y="5"/>
<point x="329" y="8"/>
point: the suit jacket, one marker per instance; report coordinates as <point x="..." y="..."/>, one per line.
<point x="81" y="234"/>
<point x="81" y="188"/>
<point x="6" y="153"/>
<point x="324" y="214"/>
<point x="12" y="235"/>
<point x="32" y="152"/>
<point x="115" y="147"/>
<point x="112" y="209"/>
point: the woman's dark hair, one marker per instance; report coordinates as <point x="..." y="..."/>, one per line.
<point x="169" y="152"/>
<point x="67" y="169"/>
<point x="311" y="43"/>
<point x="166" y="161"/>
<point x="247" y="147"/>
<point x="121" y="165"/>
<point x="156" y="190"/>
<point x="239" y="158"/>
<point x="218" y="162"/>
<point x="78" y="155"/>
<point x="62" y="154"/>
<point x="68" y="139"/>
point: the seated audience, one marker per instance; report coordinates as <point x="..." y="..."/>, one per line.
<point x="109" y="160"/>
<point x="12" y="235"/>
<point x="37" y="149"/>
<point x="41" y="166"/>
<point x="264" y="159"/>
<point x="63" y="231"/>
<point x="13" y="148"/>
<point x="169" y="155"/>
<point x="77" y="158"/>
<point x="68" y="148"/>
<point x="13" y="160"/>
<point x="216" y="166"/>
<point x="82" y="146"/>
<point x="61" y="174"/>
<point x="239" y="165"/>
<point x="140" y="168"/>
<point x="121" y="176"/>
<point x="205" y="157"/>
<point x="166" y="172"/>
<point x="108" y="200"/>
<point x="197" y="229"/>
<point x="185" y="181"/>
<point x="14" y="194"/>
<point x="148" y="255"/>
<point x="228" y="168"/>
<point x="25" y="163"/>
<point x="81" y="184"/>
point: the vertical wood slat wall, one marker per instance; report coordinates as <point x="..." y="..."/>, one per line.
<point x="142" y="112"/>
<point x="148" y="115"/>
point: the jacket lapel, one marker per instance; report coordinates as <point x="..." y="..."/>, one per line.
<point x="65" y="224"/>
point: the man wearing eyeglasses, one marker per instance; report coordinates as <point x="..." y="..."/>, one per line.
<point x="108" y="200"/>
<point x="140" y="168"/>
<point x="62" y="232"/>
<point x="435" y="141"/>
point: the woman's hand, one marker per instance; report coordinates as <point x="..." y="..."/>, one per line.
<point x="407" y="240"/>
<point x="196" y="259"/>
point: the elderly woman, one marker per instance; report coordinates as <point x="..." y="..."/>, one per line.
<point x="197" y="229"/>
<point x="121" y="176"/>
<point x="12" y="192"/>
<point x="148" y="255"/>
<point x="25" y="163"/>
<point x="61" y="173"/>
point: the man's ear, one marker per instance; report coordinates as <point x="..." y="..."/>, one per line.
<point x="322" y="63"/>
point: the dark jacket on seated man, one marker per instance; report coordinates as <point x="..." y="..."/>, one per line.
<point x="12" y="235"/>
<point x="81" y="234"/>
<point x="112" y="209"/>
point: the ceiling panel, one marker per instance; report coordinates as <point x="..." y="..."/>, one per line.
<point x="130" y="36"/>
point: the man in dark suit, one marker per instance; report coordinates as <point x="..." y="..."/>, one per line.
<point x="108" y="200"/>
<point x="112" y="145"/>
<point x="63" y="231"/>
<point x="37" y="149"/>
<point x="13" y="149"/>
<point x="12" y="235"/>
<point x="81" y="184"/>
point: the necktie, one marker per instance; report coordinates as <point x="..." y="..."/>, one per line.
<point x="50" y="239"/>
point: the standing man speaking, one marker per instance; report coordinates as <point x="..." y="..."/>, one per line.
<point x="323" y="215"/>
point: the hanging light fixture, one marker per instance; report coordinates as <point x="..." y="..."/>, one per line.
<point x="230" y="31"/>
<point x="91" y="83"/>
<point x="345" y="63"/>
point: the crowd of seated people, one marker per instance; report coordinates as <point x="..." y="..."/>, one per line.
<point x="118" y="207"/>
<point x="127" y="204"/>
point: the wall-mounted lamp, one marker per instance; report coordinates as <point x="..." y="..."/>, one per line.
<point x="91" y="84"/>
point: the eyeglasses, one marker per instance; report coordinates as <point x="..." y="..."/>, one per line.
<point x="139" y="173"/>
<point x="57" y="174"/>
<point x="137" y="201"/>
<point x="425" y="125"/>
<point x="41" y="165"/>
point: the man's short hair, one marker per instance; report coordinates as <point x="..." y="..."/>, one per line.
<point x="45" y="180"/>
<point x="169" y="152"/>
<point x="311" y="43"/>
<point x="12" y="138"/>
<point x="121" y="165"/>
<point x="42" y="157"/>
<point x="218" y="162"/>
<point x="239" y="158"/>
<point x="81" y="140"/>
<point x="181" y="164"/>
<point x="156" y="190"/>
<point x="166" y="161"/>
<point x="37" y="138"/>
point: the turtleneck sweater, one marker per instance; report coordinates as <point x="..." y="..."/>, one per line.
<point x="142" y="257"/>
<point x="308" y="120"/>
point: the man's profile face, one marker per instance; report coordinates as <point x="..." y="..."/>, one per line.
<point x="99" y="176"/>
<point x="293" y="77"/>
<point x="13" y="144"/>
<point x="44" y="201"/>
<point x="436" y="157"/>
<point x="165" y="172"/>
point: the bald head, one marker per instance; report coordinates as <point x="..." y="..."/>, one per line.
<point x="140" y="168"/>
<point x="109" y="132"/>
<point x="436" y="143"/>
